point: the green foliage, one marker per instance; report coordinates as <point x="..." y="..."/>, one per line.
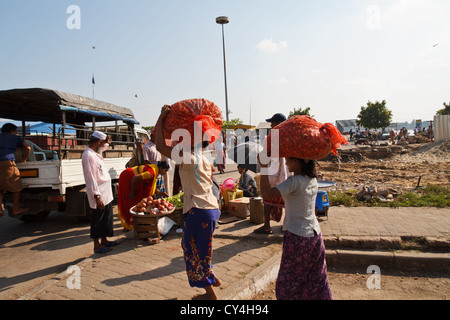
<point x="429" y="196"/>
<point x="300" y="112"/>
<point x="149" y="129"/>
<point x="339" y="198"/>
<point x="375" y="115"/>
<point x="231" y="123"/>
<point x="444" y="111"/>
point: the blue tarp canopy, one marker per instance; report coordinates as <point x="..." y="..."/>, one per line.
<point x="47" y="128"/>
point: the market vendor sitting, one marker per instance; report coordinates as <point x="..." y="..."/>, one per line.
<point x="134" y="185"/>
<point x="247" y="183"/>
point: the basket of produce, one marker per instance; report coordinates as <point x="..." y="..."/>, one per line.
<point x="176" y="200"/>
<point x="150" y="217"/>
<point x="153" y="207"/>
<point x="177" y="215"/>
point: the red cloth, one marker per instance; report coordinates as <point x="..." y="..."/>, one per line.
<point x="143" y="190"/>
<point x="276" y="205"/>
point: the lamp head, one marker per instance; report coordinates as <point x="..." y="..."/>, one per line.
<point x="222" y="20"/>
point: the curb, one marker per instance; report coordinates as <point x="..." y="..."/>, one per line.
<point x="254" y="282"/>
<point x="387" y="243"/>
<point x="406" y="261"/>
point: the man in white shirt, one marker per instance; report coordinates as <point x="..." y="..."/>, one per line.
<point x="99" y="192"/>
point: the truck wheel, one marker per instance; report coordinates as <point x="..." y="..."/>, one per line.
<point x="87" y="209"/>
<point x="41" y="216"/>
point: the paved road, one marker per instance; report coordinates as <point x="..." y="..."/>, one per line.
<point x="31" y="253"/>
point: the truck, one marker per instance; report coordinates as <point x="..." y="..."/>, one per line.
<point x="52" y="176"/>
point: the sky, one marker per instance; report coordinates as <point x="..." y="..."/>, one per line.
<point x="331" y="56"/>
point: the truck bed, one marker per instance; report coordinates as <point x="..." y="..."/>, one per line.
<point x="63" y="174"/>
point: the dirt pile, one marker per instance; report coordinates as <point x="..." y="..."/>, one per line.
<point x="432" y="152"/>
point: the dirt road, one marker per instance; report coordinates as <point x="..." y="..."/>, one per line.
<point x="352" y="285"/>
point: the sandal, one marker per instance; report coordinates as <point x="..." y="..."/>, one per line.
<point x="103" y="250"/>
<point x="15" y="216"/>
<point x="263" y="231"/>
<point x="112" y="244"/>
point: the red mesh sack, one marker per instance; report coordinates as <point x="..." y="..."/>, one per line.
<point x="305" y="138"/>
<point x="184" y="114"/>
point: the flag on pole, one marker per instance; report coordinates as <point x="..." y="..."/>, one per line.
<point x="93" y="87"/>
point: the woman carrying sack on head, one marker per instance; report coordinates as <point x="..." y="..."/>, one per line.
<point x="136" y="184"/>
<point x="303" y="269"/>
<point x="200" y="207"/>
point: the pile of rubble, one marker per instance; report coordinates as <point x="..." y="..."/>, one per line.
<point x="419" y="138"/>
<point x="415" y="139"/>
<point x="367" y="193"/>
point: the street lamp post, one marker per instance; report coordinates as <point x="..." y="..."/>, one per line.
<point x="223" y="21"/>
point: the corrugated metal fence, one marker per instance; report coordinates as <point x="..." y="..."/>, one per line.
<point x="442" y="127"/>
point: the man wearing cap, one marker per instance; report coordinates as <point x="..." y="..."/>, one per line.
<point x="99" y="192"/>
<point x="273" y="207"/>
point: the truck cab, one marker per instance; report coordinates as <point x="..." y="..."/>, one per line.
<point x="53" y="174"/>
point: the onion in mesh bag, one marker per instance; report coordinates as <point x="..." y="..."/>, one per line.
<point x="305" y="138"/>
<point x="185" y="113"/>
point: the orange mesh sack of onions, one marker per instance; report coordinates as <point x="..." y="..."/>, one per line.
<point x="305" y="138"/>
<point x="184" y="114"/>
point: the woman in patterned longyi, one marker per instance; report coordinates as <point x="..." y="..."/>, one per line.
<point x="201" y="212"/>
<point x="303" y="269"/>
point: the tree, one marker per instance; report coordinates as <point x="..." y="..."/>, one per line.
<point x="149" y="129"/>
<point x="231" y="123"/>
<point x="300" y="112"/>
<point x="444" y="111"/>
<point x="375" y="115"/>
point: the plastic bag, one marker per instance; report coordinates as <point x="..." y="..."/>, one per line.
<point x="164" y="225"/>
<point x="305" y="138"/>
<point x="185" y="113"/>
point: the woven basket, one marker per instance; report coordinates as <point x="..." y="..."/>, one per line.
<point x="177" y="216"/>
<point x="256" y="211"/>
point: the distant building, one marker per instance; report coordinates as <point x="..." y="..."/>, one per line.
<point x="263" y="125"/>
<point x="344" y="126"/>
